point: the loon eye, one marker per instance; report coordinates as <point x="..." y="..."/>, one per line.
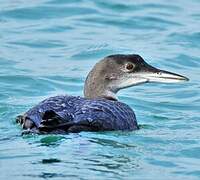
<point x="129" y="66"/>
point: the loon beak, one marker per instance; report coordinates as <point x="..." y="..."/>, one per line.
<point x="152" y="74"/>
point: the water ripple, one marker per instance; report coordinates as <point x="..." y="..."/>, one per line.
<point x="45" y="12"/>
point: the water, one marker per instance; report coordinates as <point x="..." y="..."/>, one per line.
<point x="47" y="48"/>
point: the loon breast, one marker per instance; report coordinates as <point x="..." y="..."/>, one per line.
<point x="75" y="114"/>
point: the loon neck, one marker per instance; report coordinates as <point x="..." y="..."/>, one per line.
<point x="109" y="96"/>
<point x="95" y="89"/>
<point x="97" y="84"/>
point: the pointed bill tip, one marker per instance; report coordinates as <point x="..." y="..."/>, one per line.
<point x="185" y="78"/>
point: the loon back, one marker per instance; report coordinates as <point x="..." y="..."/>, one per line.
<point x="75" y="114"/>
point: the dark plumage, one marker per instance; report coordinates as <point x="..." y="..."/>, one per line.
<point x="99" y="110"/>
<point x="75" y="114"/>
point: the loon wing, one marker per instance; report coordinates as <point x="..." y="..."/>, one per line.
<point x="52" y="122"/>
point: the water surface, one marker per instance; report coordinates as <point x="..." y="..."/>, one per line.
<point x="47" y="48"/>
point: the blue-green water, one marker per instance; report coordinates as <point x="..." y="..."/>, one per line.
<point x="47" y="48"/>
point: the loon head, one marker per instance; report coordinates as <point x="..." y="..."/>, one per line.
<point x="119" y="71"/>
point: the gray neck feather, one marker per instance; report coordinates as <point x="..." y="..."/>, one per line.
<point x="98" y="82"/>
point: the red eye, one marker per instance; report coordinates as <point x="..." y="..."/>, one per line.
<point x="129" y="66"/>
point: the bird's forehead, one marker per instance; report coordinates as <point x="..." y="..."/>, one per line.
<point x="122" y="59"/>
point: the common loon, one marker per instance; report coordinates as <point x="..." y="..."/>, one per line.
<point x="100" y="109"/>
